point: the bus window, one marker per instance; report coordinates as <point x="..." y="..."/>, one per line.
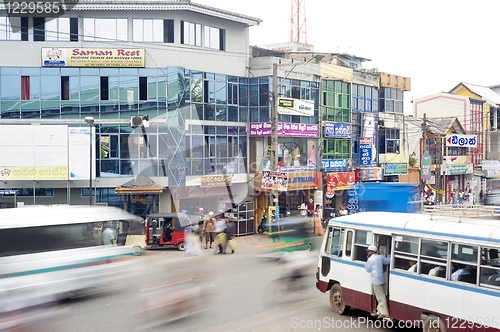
<point x="348" y="244"/>
<point x="406" y="253"/>
<point x="490" y="268"/>
<point x="433" y="258"/>
<point x="362" y="239"/>
<point x="464" y="263"/>
<point x="335" y="240"/>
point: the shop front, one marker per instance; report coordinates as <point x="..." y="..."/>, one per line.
<point x="338" y="191"/>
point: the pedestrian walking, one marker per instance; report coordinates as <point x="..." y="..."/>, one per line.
<point x="318" y="226"/>
<point x="375" y="266"/>
<point x="275" y="235"/>
<point x="209" y="229"/>
<point x="470" y="197"/>
<point x="220" y="227"/>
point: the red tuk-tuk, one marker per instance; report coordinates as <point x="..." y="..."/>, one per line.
<point x="166" y="229"/>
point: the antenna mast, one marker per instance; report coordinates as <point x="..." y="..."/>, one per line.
<point x="298" y="31"/>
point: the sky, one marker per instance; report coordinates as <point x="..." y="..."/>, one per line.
<point x="437" y="43"/>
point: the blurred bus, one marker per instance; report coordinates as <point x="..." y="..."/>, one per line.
<point x="48" y="253"/>
<point x="493" y="190"/>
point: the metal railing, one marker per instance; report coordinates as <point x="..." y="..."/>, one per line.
<point x="462" y="210"/>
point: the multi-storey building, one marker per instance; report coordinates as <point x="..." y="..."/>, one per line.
<point x="182" y="64"/>
<point x="475" y="106"/>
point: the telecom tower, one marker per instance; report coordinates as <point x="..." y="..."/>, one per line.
<point x="298" y="31"/>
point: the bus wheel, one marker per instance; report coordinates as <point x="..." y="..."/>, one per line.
<point x="337" y="300"/>
<point x="181" y="246"/>
<point x="434" y="323"/>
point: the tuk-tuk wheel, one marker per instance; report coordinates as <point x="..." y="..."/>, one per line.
<point x="181" y="246"/>
<point x="137" y="250"/>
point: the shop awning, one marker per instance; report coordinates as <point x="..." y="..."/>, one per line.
<point x="140" y="185"/>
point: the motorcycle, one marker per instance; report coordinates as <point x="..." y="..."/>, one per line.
<point x="264" y="225"/>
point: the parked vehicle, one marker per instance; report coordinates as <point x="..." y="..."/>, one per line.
<point x="164" y="229"/>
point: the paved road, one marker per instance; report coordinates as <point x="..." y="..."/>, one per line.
<point x="242" y="298"/>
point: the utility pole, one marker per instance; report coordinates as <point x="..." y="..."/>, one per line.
<point x="424" y="148"/>
<point x="274" y="131"/>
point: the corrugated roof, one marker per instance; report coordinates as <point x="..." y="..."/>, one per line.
<point x="484" y="92"/>
<point x="162" y="5"/>
<point x="439" y="126"/>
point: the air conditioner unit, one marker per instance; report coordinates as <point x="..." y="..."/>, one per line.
<point x="139" y="121"/>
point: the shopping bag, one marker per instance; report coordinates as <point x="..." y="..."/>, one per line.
<point x="232" y="244"/>
<point x="221" y="238"/>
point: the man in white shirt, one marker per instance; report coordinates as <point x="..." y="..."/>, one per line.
<point x="375" y="266"/>
<point x="220" y="227"/>
<point x="109" y="236"/>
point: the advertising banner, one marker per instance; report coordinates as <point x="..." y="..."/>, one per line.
<point x="297" y="168"/>
<point x="372" y="174"/>
<point x="337" y="129"/>
<point x="93" y="57"/>
<point x="456" y="160"/>
<point x="395" y="168"/>
<point x="292" y="106"/>
<point x="335" y="163"/>
<point x="365" y="154"/>
<point x="466" y="141"/>
<point x="260" y="129"/>
<point x="302" y="180"/>
<point x="458" y="169"/>
<point x="37" y="152"/>
<point x="425" y="167"/>
<point x="338" y="181"/>
<point x="274" y="180"/>
<point x="311" y="152"/>
<point x="216" y="181"/>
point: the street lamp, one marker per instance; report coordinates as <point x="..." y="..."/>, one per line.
<point x="90" y="121"/>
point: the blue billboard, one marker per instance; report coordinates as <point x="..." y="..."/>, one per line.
<point x="337" y="129"/>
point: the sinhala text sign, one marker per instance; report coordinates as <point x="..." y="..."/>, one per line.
<point x="466" y="141"/>
<point x="396" y="168"/>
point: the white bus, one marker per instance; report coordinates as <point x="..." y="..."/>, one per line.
<point x="444" y="271"/>
<point x="48" y="253"/>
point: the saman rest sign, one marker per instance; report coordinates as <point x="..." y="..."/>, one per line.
<point x="93" y="57"/>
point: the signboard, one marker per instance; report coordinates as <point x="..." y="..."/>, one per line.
<point x="216" y="181"/>
<point x="372" y="174"/>
<point x="466" y="141"/>
<point x="425" y="167"/>
<point x="37" y="152"/>
<point x="292" y="106"/>
<point x="456" y="160"/>
<point x="298" y="168"/>
<point x="458" y="169"/>
<point x="337" y="129"/>
<point x="93" y="57"/>
<point x="365" y="154"/>
<point x="490" y="165"/>
<point x="8" y="192"/>
<point x="274" y="180"/>
<point x="260" y="129"/>
<point x="335" y="163"/>
<point x="302" y="180"/>
<point x="432" y="180"/>
<point x="366" y="140"/>
<point x="396" y="168"/>
<point x="338" y="181"/>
